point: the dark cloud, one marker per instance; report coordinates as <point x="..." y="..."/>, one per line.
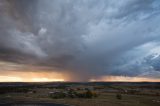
<point x="90" y="38"/>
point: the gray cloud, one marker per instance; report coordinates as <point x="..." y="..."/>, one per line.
<point x="90" y="38"/>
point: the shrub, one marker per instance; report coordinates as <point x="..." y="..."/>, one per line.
<point x="88" y="94"/>
<point x="157" y="94"/>
<point x="72" y="93"/>
<point x="95" y="94"/>
<point x="34" y="91"/>
<point x="119" y="96"/>
<point x="80" y="95"/>
<point x="58" y="95"/>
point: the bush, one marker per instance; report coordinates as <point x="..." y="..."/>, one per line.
<point x="80" y="95"/>
<point x="119" y="96"/>
<point x="157" y="94"/>
<point x="58" y="95"/>
<point x="23" y="89"/>
<point x="88" y="94"/>
<point x="73" y="94"/>
<point x="95" y="94"/>
<point x="34" y="91"/>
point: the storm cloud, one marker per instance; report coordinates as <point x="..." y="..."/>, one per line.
<point x="87" y="38"/>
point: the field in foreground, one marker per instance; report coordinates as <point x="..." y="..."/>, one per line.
<point x="131" y="94"/>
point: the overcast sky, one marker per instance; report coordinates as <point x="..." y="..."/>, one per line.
<point x="85" y="38"/>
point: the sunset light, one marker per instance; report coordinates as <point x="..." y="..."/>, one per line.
<point x="80" y="52"/>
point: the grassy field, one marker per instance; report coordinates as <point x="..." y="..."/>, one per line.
<point x="108" y="99"/>
<point x="104" y="98"/>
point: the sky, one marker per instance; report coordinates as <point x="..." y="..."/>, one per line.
<point x="79" y="40"/>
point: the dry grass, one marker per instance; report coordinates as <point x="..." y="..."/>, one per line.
<point x="107" y="99"/>
<point x="110" y="100"/>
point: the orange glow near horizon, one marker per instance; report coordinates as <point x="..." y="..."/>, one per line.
<point x="18" y="79"/>
<point x="31" y="77"/>
<point x="11" y="72"/>
<point x="54" y="77"/>
<point x="125" y="79"/>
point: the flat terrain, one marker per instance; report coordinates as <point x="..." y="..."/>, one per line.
<point x="31" y="104"/>
<point x="131" y="95"/>
<point x="104" y="100"/>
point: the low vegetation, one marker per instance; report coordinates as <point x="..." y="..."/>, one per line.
<point x="119" y="96"/>
<point x="73" y="94"/>
<point x="84" y="94"/>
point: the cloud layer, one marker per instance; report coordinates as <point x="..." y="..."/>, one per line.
<point x="87" y="38"/>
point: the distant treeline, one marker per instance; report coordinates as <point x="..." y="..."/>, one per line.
<point x="17" y="89"/>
